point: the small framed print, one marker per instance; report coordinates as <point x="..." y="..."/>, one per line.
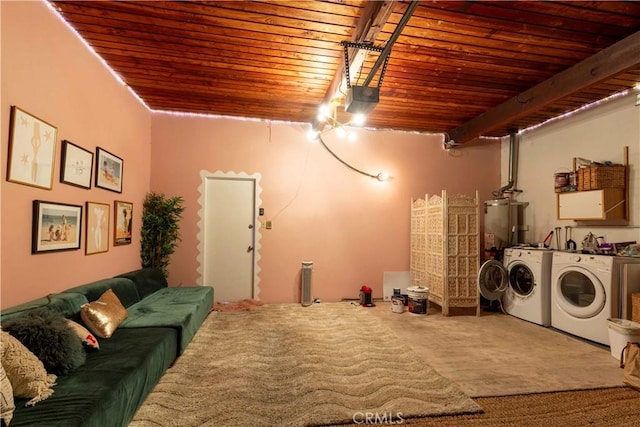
<point x="56" y="227"/>
<point x="76" y="165"/>
<point x="109" y="169"/>
<point x="97" y="240"/>
<point x="123" y="213"/>
<point x="32" y="150"/>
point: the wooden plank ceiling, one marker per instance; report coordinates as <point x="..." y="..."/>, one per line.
<point x="467" y="68"/>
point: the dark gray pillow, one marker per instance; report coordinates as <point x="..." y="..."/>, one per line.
<point x="48" y="336"/>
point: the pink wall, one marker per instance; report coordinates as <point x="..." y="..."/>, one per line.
<point x="354" y="228"/>
<point x="49" y="73"/>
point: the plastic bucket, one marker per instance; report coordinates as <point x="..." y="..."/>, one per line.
<point x="397" y="304"/>
<point x="620" y="332"/>
<point x="418" y="300"/>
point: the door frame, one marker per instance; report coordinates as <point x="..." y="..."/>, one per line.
<point x="200" y="237"/>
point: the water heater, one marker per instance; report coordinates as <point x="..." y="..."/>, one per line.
<point x="305" y="283"/>
<point x="501" y="218"/>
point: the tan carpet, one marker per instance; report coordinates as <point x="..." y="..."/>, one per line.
<point x="497" y="354"/>
<point x="289" y="365"/>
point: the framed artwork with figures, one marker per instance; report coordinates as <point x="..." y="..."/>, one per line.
<point x="56" y="227"/>
<point x="123" y="216"/>
<point x="109" y="170"/>
<point x="97" y="235"/>
<point x="32" y="150"/>
<point x="76" y="165"/>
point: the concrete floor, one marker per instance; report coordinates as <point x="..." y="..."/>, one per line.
<point x="495" y="354"/>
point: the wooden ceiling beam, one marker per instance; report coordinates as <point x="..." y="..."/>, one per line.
<point x="374" y="16"/>
<point x="617" y="58"/>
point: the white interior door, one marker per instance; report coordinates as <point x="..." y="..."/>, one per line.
<point x="229" y="237"/>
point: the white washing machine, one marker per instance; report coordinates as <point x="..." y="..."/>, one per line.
<point x="522" y="281"/>
<point x="586" y="291"/>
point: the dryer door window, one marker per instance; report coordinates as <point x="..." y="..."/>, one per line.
<point x="493" y="280"/>
<point x="521" y="280"/>
<point x="580" y="293"/>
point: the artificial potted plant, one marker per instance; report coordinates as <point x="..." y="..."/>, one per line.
<point x="160" y="232"/>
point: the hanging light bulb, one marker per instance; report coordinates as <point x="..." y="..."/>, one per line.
<point x="382" y="176"/>
<point x="359" y="119"/>
<point x="313" y="135"/>
<point x="324" y="112"/>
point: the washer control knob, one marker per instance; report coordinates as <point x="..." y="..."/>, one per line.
<point x="577" y="258"/>
<point x="519" y="254"/>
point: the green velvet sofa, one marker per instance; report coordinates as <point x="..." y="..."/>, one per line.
<point x="115" y="380"/>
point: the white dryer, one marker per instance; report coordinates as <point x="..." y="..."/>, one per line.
<point x="522" y="281"/>
<point x="586" y="292"/>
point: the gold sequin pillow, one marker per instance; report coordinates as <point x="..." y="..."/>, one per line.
<point x="25" y="371"/>
<point x="104" y="315"/>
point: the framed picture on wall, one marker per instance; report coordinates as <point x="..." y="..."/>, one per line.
<point x="32" y="150"/>
<point x="97" y="240"/>
<point x="123" y="213"/>
<point x="76" y="165"/>
<point x="109" y="169"/>
<point x="56" y="227"/>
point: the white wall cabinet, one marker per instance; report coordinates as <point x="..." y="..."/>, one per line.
<point x="604" y="204"/>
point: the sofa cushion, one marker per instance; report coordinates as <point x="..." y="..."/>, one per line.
<point x="147" y="280"/>
<point x="48" y="336"/>
<point x="182" y="308"/>
<point x="68" y="304"/>
<point x="109" y="388"/>
<point x="104" y="315"/>
<point x="125" y="290"/>
<point x="87" y="338"/>
<point x="26" y="373"/>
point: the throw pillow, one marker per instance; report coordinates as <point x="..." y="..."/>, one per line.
<point x="87" y="338"/>
<point x="7" y="405"/>
<point x="104" y="315"/>
<point x="48" y="336"/>
<point x="26" y="373"/>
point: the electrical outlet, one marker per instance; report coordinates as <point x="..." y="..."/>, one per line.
<point x="267" y="225"/>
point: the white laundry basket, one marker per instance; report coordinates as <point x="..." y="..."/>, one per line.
<point x="620" y="332"/>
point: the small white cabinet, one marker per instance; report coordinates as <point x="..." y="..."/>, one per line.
<point x="604" y="204"/>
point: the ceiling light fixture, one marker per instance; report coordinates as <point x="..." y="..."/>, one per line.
<point x="363" y="99"/>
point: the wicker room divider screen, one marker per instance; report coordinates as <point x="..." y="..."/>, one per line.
<point x="445" y="249"/>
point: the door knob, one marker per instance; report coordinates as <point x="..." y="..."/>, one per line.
<point x="250" y="248"/>
<point x="250" y="226"/>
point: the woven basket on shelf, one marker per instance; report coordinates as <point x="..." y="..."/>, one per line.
<point x="635" y="307"/>
<point x="598" y="177"/>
